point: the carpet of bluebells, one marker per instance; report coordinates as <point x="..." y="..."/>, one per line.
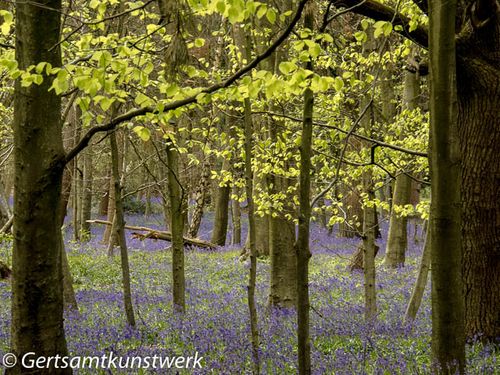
<point x="216" y="323"/>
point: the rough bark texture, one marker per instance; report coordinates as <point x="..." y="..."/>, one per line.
<point x="37" y="298"/>
<point x="448" y="341"/>
<point x="478" y="79"/>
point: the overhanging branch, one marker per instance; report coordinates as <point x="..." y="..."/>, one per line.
<point x="192" y="99"/>
<point x="380" y="12"/>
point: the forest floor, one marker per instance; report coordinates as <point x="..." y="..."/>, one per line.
<point x="216" y="323"/>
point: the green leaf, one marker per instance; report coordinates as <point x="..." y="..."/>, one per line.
<point x="262" y="11"/>
<point x="7" y="22"/>
<point x="271" y="15"/>
<point x="143" y="133"/>
<point x="287" y="67"/>
<point x="338" y="84"/>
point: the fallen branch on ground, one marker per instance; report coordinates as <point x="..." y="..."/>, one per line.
<point x="157" y="234"/>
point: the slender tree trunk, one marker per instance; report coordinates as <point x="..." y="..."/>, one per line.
<point x="252" y="219"/>
<point x="251" y="236"/>
<point x="369" y="251"/>
<point x="108" y="231"/>
<point x="448" y="339"/>
<point x="221" y="216"/>
<point x="176" y="194"/>
<point x="87" y="192"/>
<point x="37" y="313"/>
<point x="236" y="220"/>
<point x="77" y="180"/>
<point x="302" y="243"/>
<point x="419" y="288"/>
<point x="120" y="231"/>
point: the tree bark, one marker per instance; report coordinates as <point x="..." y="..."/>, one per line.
<point x="397" y="238"/>
<point x="448" y="340"/>
<point x="236" y="220"/>
<point x="87" y="192"/>
<point x="199" y="197"/>
<point x="302" y="243"/>
<point x="37" y="293"/>
<point x="120" y="231"/>
<point x="478" y="75"/>
<point x="221" y="216"/>
<point x="177" y="198"/>
<point x="420" y="284"/>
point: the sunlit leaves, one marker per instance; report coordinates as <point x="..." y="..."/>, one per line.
<point x="6" y="24"/>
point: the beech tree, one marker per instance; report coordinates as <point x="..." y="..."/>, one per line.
<point x="37" y="298"/>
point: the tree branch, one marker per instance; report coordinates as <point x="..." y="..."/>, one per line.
<point x="192" y="99"/>
<point x="356" y="135"/>
<point x="380" y="12"/>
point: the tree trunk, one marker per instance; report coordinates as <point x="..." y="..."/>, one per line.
<point x="177" y="198"/>
<point x="37" y="312"/>
<point x="397" y="238"/>
<point x="283" y="291"/>
<point x="199" y="197"/>
<point x="120" y="231"/>
<point x="221" y="216"/>
<point x="420" y="284"/>
<point x="236" y="220"/>
<point x="87" y="192"/>
<point x="479" y="123"/>
<point x="448" y="340"/>
<point x="251" y="236"/>
<point x="110" y="213"/>
<point x="302" y="243"/>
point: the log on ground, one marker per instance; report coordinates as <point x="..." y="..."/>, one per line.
<point x="151" y="233"/>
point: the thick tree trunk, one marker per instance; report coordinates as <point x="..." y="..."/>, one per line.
<point x="478" y="75"/>
<point x="120" y="231"/>
<point x="221" y="216"/>
<point x="37" y="312"/>
<point x="177" y="198"/>
<point x="283" y="291"/>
